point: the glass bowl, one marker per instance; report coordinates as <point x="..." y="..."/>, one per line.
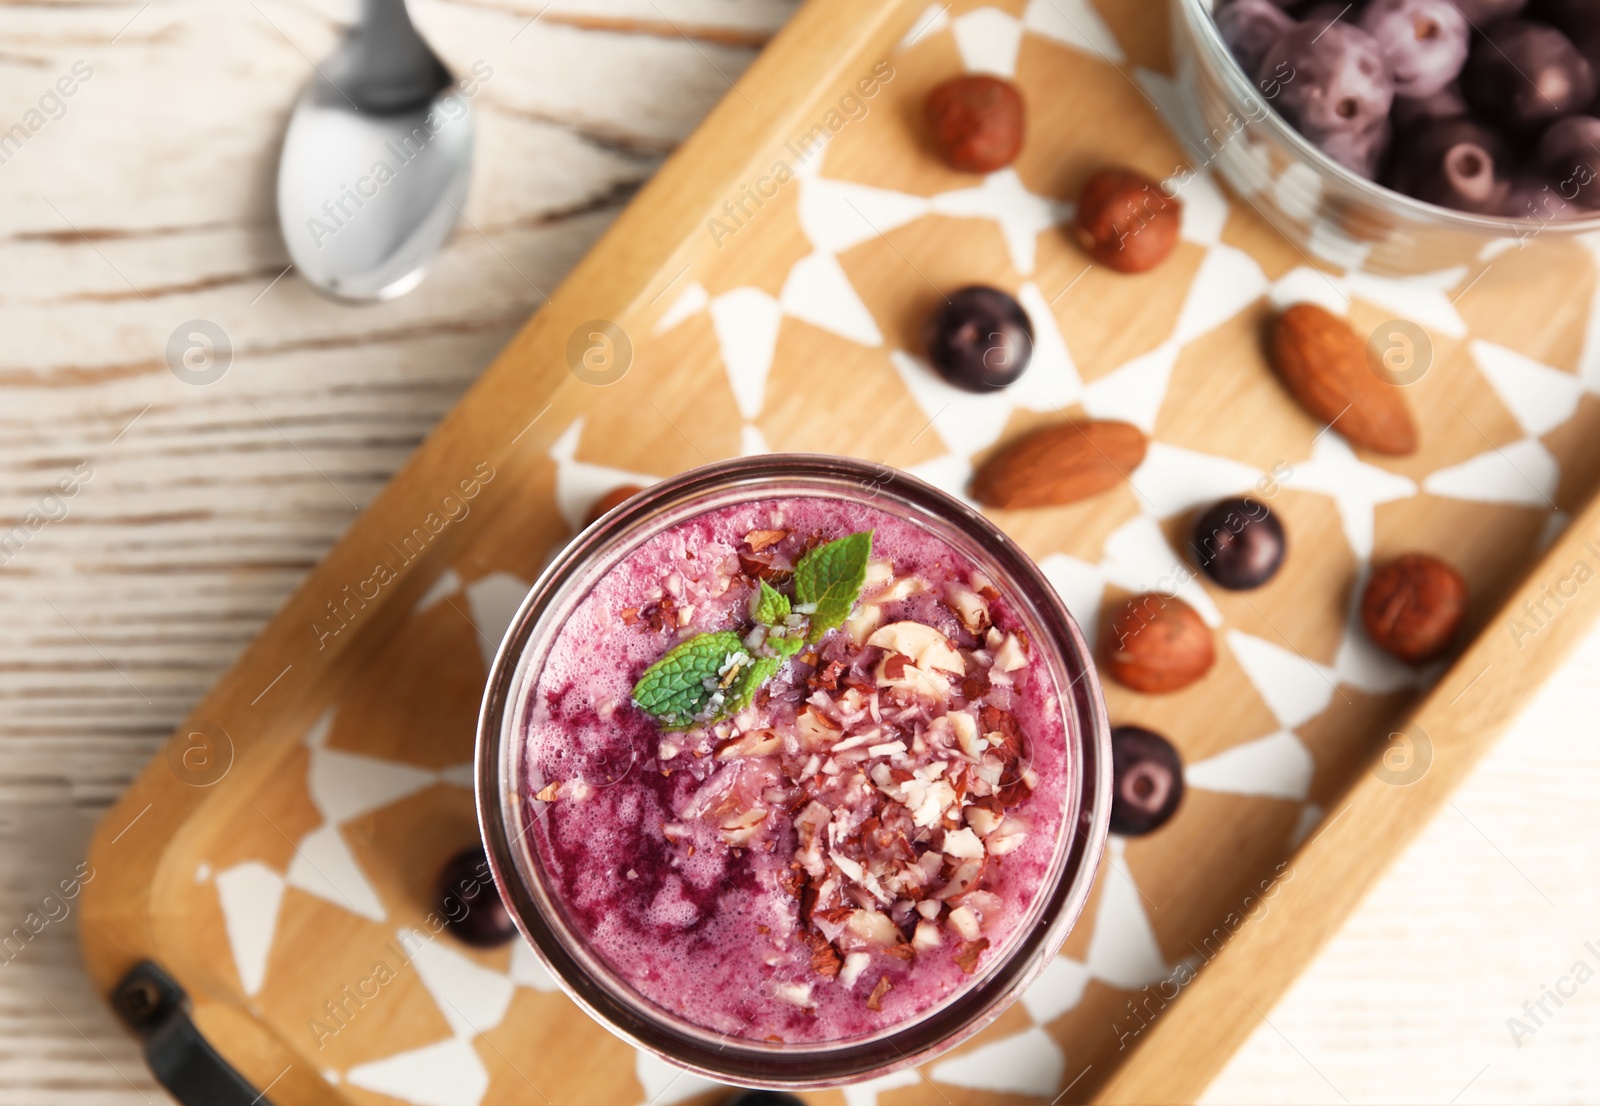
<point x="1334" y="215"/>
<point x="506" y="813"/>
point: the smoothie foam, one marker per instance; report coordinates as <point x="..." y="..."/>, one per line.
<point x="753" y="875"/>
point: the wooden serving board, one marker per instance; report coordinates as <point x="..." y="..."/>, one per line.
<point x="766" y="292"/>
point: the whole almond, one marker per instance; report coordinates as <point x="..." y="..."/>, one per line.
<point x="1157" y="643"/>
<point x="1058" y="464"/>
<point x="1323" y="363"/>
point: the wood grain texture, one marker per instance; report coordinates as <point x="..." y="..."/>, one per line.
<point x="148" y="203"/>
<point x="1465" y="713"/>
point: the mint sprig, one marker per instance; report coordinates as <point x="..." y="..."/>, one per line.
<point x="786" y="645"/>
<point x="750" y="678"/>
<point x="829" y="578"/>
<point x="770" y="606"/>
<point x="712" y="676"/>
<point x="680" y="687"/>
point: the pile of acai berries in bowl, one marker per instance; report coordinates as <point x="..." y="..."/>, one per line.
<point x="1482" y="106"/>
<point x="1398" y="137"/>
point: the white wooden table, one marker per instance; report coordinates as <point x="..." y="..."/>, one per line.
<point x="144" y="200"/>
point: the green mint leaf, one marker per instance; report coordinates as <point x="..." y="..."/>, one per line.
<point x="674" y="688"/>
<point x="770" y="607"/>
<point x="786" y="646"/>
<point x="743" y="689"/>
<point x="829" y="579"/>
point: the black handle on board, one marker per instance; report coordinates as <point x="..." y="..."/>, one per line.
<point x="150" y="1002"/>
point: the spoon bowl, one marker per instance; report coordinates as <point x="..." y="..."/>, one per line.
<point x="376" y="161"/>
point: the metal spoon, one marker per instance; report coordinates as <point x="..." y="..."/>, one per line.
<point x="376" y="161"/>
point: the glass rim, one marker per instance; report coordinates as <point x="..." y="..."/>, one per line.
<point x="1203" y="29"/>
<point x="504" y="820"/>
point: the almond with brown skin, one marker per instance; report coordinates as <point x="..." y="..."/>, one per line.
<point x="1323" y="363"/>
<point x="1059" y="464"/>
<point x="1157" y="643"/>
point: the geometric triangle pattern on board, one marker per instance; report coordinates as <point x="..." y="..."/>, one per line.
<point x="1121" y="942"/>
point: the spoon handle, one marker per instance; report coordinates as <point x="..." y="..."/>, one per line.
<point x="392" y="69"/>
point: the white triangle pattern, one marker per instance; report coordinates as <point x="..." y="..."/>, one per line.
<point x="1539" y="397"/>
<point x="1029" y="1063"/>
<point x="665" y="1084"/>
<point x="988" y="40"/>
<point x="1075" y="23"/>
<point x="250" y="894"/>
<point x="578" y="483"/>
<point x="1278" y="766"/>
<point x="836" y="216"/>
<point x="447" y="1073"/>
<point x="472" y="998"/>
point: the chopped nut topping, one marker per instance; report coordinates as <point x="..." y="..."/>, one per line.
<point x="967" y="957"/>
<point x="894" y="754"/>
<point x="825" y="959"/>
<point x="1011" y="655"/>
<point x="963" y="844"/>
<point x="854" y="964"/>
<point x="760" y="566"/>
<point x="964" y="922"/>
<point x="982" y="821"/>
<point x="756" y="743"/>
<point x="796" y="994"/>
<point x="883" y="987"/>
<point x="826" y="678"/>
<point x="927" y="647"/>
<point x="879" y="573"/>
<point x="970" y="607"/>
<point x="758" y="540"/>
<point x="548" y="793"/>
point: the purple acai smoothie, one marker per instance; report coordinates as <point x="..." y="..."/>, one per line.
<point x="854" y="823"/>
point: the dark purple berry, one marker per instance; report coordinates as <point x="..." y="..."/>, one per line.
<point x="1340" y="83"/>
<point x="1425" y="42"/>
<point x="1523" y="75"/>
<point x="1359" y="151"/>
<point x="1569" y="155"/>
<point x="466" y="898"/>
<point x="1536" y="197"/>
<point x="1146" y="780"/>
<point x="1579" y="20"/>
<point x="980" y="339"/>
<point x="1481" y="13"/>
<point x="1239" y="543"/>
<point x="1249" y="27"/>
<point x="1326" y="13"/>
<point x="1414" y="111"/>
<point x="1455" y="163"/>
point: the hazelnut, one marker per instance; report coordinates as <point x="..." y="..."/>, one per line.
<point x="1413" y="606"/>
<point x="1126" y="222"/>
<point x="977" y="122"/>
<point x="1156" y="643"/>
<point x="609" y="502"/>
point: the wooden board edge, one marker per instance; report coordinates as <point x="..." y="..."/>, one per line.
<point x="660" y="233"/>
<point x="1193" y="1034"/>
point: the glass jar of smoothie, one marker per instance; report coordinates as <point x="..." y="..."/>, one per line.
<point x="793" y="770"/>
